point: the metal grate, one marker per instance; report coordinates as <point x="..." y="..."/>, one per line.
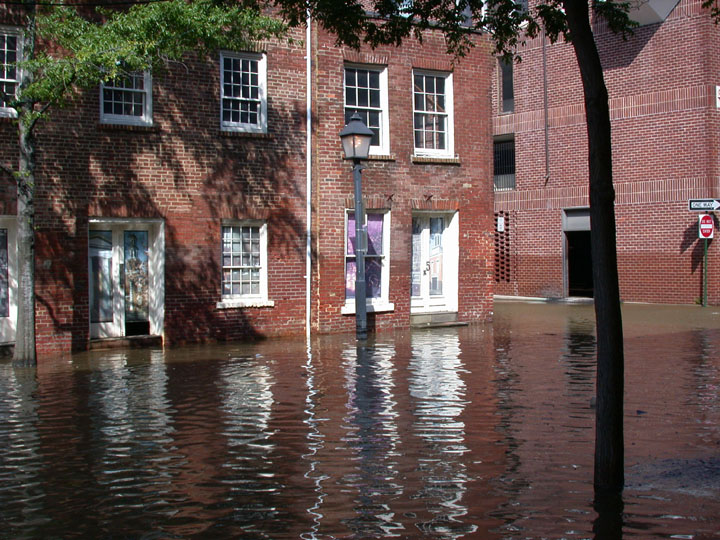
<point x="504" y="165"/>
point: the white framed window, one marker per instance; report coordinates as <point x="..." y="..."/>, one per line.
<point x="377" y="262"/>
<point x="127" y="99"/>
<point x="10" y="53"/>
<point x="433" y="113"/>
<point x="404" y="7"/>
<point x="243" y="92"/>
<point x="366" y="93"/>
<point x="244" y="266"/>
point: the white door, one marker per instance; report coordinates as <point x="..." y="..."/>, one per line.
<point x="8" y="278"/>
<point x="123" y="279"/>
<point x="434" y="263"/>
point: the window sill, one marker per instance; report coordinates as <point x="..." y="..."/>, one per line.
<point x="150" y="128"/>
<point x="349" y="308"/>
<point x="245" y="134"/>
<point x="381" y="157"/>
<point x="437" y="160"/>
<point x="249" y="303"/>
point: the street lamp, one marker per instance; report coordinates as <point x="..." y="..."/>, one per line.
<point x="356" y="137"/>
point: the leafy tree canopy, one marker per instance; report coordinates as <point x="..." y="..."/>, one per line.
<point x="86" y="51"/>
<point x="508" y="22"/>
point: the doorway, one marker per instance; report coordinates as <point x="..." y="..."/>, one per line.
<point x="579" y="263"/>
<point x="577" y="254"/>
<point x="434" y="266"/>
<point x="125" y="267"/>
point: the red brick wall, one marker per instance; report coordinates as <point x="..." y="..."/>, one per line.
<point x="184" y="171"/>
<point x="661" y="84"/>
<point x="400" y="184"/>
<point x="188" y="174"/>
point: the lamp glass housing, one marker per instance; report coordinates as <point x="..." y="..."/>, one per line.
<point x="356" y="138"/>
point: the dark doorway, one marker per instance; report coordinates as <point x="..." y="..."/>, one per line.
<point x="579" y="259"/>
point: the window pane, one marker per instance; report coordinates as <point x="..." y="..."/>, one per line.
<point x="416" y="257"/>
<point x="350" y="272"/>
<point x="373" y="277"/>
<point x="351" y="234"/>
<point x="375" y="233"/>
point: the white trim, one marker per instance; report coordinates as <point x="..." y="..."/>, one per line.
<point x="126" y="119"/>
<point x="383" y="148"/>
<point x="156" y="273"/>
<point x="449" y="151"/>
<point x="248" y="300"/>
<point x="261" y="126"/>
<point x="237" y="303"/>
<point x="448" y="301"/>
<point x="10" y="112"/>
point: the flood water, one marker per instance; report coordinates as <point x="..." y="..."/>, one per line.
<point x="475" y="432"/>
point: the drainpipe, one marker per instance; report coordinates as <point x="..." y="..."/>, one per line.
<point x="545" y="107"/>
<point x="308" y="175"/>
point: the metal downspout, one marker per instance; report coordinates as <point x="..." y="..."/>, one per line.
<point x="308" y="175"/>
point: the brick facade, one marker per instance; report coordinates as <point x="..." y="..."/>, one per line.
<point x="185" y="177"/>
<point x="665" y="120"/>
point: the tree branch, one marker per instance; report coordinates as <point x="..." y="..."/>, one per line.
<point x="8" y="170"/>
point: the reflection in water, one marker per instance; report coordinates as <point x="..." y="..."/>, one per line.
<point x="371" y="433"/>
<point x="479" y="432"/>
<point x="439" y="394"/>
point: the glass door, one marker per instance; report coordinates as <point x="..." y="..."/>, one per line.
<point x="434" y="263"/>
<point x="119" y="279"/>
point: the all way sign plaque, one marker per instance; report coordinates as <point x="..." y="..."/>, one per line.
<point x="703" y="205"/>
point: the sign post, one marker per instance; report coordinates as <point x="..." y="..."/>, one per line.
<point x="706" y="228"/>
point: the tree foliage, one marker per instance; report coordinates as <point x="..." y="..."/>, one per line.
<point x="83" y="51"/>
<point x="65" y="51"/>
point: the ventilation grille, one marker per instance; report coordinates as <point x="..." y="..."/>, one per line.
<point x="502" y="249"/>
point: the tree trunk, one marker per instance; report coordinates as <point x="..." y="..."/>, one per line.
<point x="609" y="444"/>
<point x="25" y="335"/>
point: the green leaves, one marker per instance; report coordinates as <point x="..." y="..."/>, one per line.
<point x="81" y="53"/>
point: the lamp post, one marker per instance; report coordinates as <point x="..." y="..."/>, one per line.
<point x="356" y="137"/>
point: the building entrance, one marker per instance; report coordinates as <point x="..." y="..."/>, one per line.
<point x="579" y="263"/>
<point x="125" y="260"/>
<point x="577" y="278"/>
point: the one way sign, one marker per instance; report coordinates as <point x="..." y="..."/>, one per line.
<point x="703" y="205"/>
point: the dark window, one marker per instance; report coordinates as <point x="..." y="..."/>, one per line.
<point x="504" y="164"/>
<point x="507" y="95"/>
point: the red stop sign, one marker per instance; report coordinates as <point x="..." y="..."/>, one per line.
<point x="705" y="226"/>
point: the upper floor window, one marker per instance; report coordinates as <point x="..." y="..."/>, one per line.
<point x="507" y="94"/>
<point x="10" y="52"/>
<point x="127" y="99"/>
<point x="366" y="94"/>
<point x="404" y="7"/>
<point x="432" y="113"/>
<point x="243" y="95"/>
<point x="504" y="164"/>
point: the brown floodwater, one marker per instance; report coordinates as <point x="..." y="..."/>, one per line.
<point x="476" y="432"/>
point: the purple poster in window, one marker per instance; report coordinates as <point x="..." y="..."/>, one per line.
<point x="4" y="289"/>
<point x="375" y="234"/>
<point x="351" y="235"/>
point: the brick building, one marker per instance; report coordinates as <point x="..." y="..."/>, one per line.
<point x="175" y="205"/>
<point x="665" y="111"/>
